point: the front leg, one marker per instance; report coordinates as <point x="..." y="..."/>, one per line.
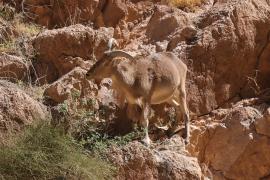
<point x="145" y="123"/>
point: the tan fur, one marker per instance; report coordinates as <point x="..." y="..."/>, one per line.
<point x="154" y="79"/>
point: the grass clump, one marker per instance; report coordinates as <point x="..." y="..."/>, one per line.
<point x="6" y="12"/>
<point x="15" y="30"/>
<point x="44" y="152"/>
<point x="18" y="31"/>
<point x="8" y="46"/>
<point x="25" y="28"/>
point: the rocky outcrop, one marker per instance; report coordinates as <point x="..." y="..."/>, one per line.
<point x="164" y="16"/>
<point x="60" y="50"/>
<point x="18" y="109"/>
<point x="224" y="53"/>
<point x="99" y="13"/>
<point x="232" y="142"/>
<point x="225" y="48"/>
<point x="13" y="67"/>
<point x="75" y="82"/>
<point x="66" y="86"/>
<point x="135" y="161"/>
<point x="263" y="124"/>
<point x="59" y="13"/>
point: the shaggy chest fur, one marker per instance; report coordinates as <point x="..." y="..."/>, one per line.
<point x="153" y="77"/>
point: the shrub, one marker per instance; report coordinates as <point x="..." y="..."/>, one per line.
<point x="99" y="143"/>
<point x="44" y="152"/>
<point x="16" y="30"/>
<point x="185" y="3"/>
<point x="6" y="12"/>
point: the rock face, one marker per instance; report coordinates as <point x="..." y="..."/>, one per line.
<point x="75" y="82"/>
<point x="98" y="12"/>
<point x="226" y="47"/>
<point x="18" y="109"/>
<point x="62" y="89"/>
<point x="164" y="16"/>
<point x="58" y="13"/>
<point x="229" y="44"/>
<point x="235" y="146"/>
<point x="263" y="124"/>
<point x="60" y="50"/>
<point x="12" y="67"/>
<point x="135" y="161"/>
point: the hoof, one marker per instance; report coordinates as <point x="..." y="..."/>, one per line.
<point x="146" y="142"/>
<point x="186" y="141"/>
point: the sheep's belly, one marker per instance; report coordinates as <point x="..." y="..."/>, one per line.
<point x="161" y="95"/>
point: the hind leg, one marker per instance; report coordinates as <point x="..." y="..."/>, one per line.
<point x="175" y="102"/>
<point x="180" y="105"/>
<point x="184" y="109"/>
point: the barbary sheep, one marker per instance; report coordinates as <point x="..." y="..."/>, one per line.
<point x="155" y="79"/>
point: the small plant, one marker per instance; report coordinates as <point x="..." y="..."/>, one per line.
<point x="7" y="12"/>
<point x="25" y="29"/>
<point x="75" y="94"/>
<point x="44" y="152"/>
<point x="99" y="143"/>
<point x="63" y="108"/>
<point x="17" y="30"/>
<point x="86" y="121"/>
<point x="8" y="46"/>
<point x="184" y="3"/>
<point x="36" y="92"/>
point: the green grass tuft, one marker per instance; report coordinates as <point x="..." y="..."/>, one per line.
<point x="43" y="152"/>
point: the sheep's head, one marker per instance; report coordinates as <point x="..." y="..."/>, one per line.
<point x="103" y="68"/>
<point x="100" y="70"/>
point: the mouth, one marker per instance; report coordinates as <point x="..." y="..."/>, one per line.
<point x="89" y="78"/>
<point x="88" y="75"/>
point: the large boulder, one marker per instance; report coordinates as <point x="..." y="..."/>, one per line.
<point x="13" y="67"/>
<point x="75" y="82"/>
<point x="114" y="11"/>
<point x="167" y="160"/>
<point x="72" y="82"/>
<point x="18" y="109"/>
<point x="164" y="16"/>
<point x="234" y="142"/>
<point x="60" y="50"/>
<point x="263" y="124"/>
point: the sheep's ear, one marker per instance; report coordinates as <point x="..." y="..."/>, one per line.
<point x="107" y="53"/>
<point x="111" y="43"/>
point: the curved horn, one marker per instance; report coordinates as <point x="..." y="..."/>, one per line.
<point x="111" y="42"/>
<point x="119" y="53"/>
